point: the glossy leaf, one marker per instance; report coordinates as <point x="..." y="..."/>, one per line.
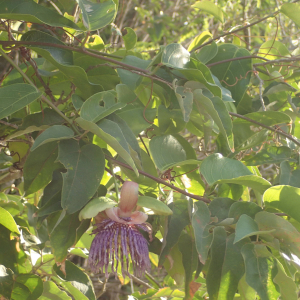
<point x="16" y="96"/>
<point x="258" y="272"/>
<point x="75" y="277"/>
<point x="174" y="55"/>
<point x="218" y="112"/>
<point x="97" y="15"/>
<point x="37" y="122"/>
<point x="284" y="231"/>
<point x="52" y="292"/>
<point x="62" y="235"/>
<point x="199" y="40"/>
<point x="210" y="8"/>
<point x="292" y="11"/>
<point x="189" y="260"/>
<point x="51" y="134"/>
<point x="200" y="221"/>
<point x="271" y="155"/>
<point x="112" y="135"/>
<point x="214" y="273"/>
<point x="30" y="11"/>
<point x="285" y="198"/>
<point x="158" y="207"/>
<point x="63" y="60"/>
<point x="8" y="221"/>
<point x="51" y="200"/>
<point x="185" y="99"/>
<point x="92" y="109"/>
<point x="39" y="167"/>
<point x="244" y="130"/>
<point x="216" y="167"/>
<point x="95" y="206"/>
<point x="129" y="38"/>
<point x="239" y="208"/>
<point x="85" y="167"/>
<point x="176" y="222"/>
<point x="228" y="72"/>
<point x="232" y="269"/>
<point x="288" y="177"/>
<point x="207" y="53"/>
<point x="166" y="151"/>
<point x="246" y="227"/>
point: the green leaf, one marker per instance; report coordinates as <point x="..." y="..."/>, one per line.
<point x="239" y="208"/>
<point x="16" y="96"/>
<point x="111" y="133"/>
<point x="253" y="181"/>
<point x="158" y="207"/>
<point x="244" y="130"/>
<point x="37" y="122"/>
<point x="292" y="11"/>
<point x="210" y="8"/>
<point x="52" y="292"/>
<point x="200" y="220"/>
<point x="285" y="232"/>
<point x="230" y="71"/>
<point x="288" y="177"/>
<point x="39" y="167"/>
<point x="232" y="269"/>
<point x="95" y="206"/>
<point x="216" y="167"/>
<point x="207" y="53"/>
<point x="8" y="221"/>
<point x="214" y="273"/>
<point x="51" y="200"/>
<point x="176" y="223"/>
<point x="51" y="134"/>
<point x="271" y="155"/>
<point x="148" y="166"/>
<point x="258" y="272"/>
<point x="288" y="288"/>
<point x="166" y="151"/>
<point x="29" y="11"/>
<point x="219" y="207"/>
<point x="199" y="40"/>
<point x="85" y="168"/>
<point x="174" y="55"/>
<point x="285" y="198"/>
<point x="75" y="277"/>
<point x="19" y="286"/>
<point x="185" y="99"/>
<point x="62" y="59"/>
<point x="130" y="79"/>
<point x="246" y="227"/>
<point x="97" y="15"/>
<point x="245" y="290"/>
<point x="63" y="236"/>
<point x="189" y="260"/>
<point x="217" y="111"/>
<point x="93" y="112"/>
<point x="130" y="38"/>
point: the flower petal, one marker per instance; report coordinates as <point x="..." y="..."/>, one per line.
<point x="138" y="217"/>
<point x="113" y="213"/>
<point x="128" y="198"/>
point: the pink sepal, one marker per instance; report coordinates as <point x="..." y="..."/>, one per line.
<point x="137" y="217"/>
<point x="128" y="198"/>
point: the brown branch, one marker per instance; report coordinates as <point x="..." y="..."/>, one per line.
<point x="276" y="130"/>
<point x="288" y="59"/>
<point x="159" y="180"/>
<point x="9" y="124"/>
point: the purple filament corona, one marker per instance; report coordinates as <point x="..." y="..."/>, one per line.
<point x="114" y="242"/>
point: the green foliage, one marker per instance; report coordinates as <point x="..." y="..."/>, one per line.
<point x="182" y="97"/>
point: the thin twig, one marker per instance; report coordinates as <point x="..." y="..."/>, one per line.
<point x="276" y="130"/>
<point x="9" y="124"/>
<point x="159" y="180"/>
<point x="139" y="281"/>
<point x="260" y="87"/>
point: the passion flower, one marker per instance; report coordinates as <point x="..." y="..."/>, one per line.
<point x="118" y="238"/>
